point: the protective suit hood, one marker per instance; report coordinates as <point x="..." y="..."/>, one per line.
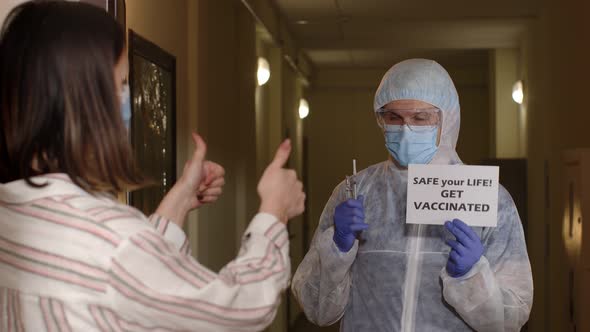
<point x="427" y="81"/>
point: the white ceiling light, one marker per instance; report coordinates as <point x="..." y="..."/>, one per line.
<point x="303" y="108"/>
<point x="263" y="73"/>
<point x="517" y="92"/>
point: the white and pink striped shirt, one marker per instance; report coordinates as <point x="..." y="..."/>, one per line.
<point x="71" y="261"/>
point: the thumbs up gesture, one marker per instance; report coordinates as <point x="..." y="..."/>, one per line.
<point x="204" y="178"/>
<point x="281" y="193"/>
<point x="201" y="182"/>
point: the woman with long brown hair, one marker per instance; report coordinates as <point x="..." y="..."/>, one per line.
<point x="72" y="258"/>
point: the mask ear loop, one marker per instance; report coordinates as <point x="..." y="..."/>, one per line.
<point x="440" y="127"/>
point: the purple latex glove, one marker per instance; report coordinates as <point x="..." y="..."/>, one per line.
<point x="349" y="217"/>
<point x="465" y="252"/>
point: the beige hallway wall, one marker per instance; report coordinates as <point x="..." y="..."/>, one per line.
<point x="171" y="34"/>
<point x="214" y="45"/>
<point x="555" y="62"/>
<point x="6" y="6"/>
<point x="226" y="64"/>
<point x="506" y="134"/>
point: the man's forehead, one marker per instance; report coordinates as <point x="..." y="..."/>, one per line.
<point x="405" y="104"/>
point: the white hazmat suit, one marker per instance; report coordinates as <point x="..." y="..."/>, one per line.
<point x="394" y="278"/>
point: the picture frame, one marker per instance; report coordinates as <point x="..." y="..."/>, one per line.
<point x="152" y="82"/>
<point x="116" y="8"/>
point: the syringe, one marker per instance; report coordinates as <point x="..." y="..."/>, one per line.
<point x="351" y="185"/>
<point x="354" y="178"/>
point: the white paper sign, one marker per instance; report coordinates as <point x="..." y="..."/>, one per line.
<point x="437" y="193"/>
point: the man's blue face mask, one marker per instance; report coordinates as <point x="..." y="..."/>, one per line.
<point x="411" y="146"/>
<point x="126" y="106"/>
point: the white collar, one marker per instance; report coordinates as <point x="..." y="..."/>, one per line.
<point x="19" y="191"/>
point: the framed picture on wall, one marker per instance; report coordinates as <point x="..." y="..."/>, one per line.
<point x="152" y="80"/>
<point x="114" y="7"/>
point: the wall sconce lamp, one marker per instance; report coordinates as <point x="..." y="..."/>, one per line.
<point x="263" y="73"/>
<point x="517" y="92"/>
<point x="303" y="108"/>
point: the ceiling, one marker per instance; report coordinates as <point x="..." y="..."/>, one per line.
<point x="377" y="33"/>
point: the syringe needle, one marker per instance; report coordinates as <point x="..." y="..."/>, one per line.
<point x="354" y="178"/>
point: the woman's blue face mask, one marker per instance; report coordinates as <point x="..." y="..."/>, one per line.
<point x="126" y="106"/>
